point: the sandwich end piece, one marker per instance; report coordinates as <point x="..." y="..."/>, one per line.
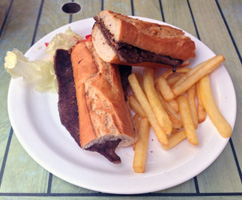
<point x="107" y="149"/>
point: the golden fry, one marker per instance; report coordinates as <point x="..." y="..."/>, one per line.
<point x="173" y="103"/>
<point x="175" y="139"/>
<point x="201" y="112"/>
<point x="197" y="73"/>
<point x="211" y="108"/>
<point x="172" y="81"/>
<point x="135" y="106"/>
<point x="170" y="111"/>
<point x="165" y="89"/>
<point x="141" y="146"/>
<point x="191" y="97"/>
<point x="142" y="99"/>
<point x="192" y="71"/>
<point x="179" y="70"/>
<point x="136" y="121"/>
<point x="177" y="126"/>
<point x="136" y="125"/>
<point x="187" y="120"/>
<point x="140" y="79"/>
<point x="160" y="113"/>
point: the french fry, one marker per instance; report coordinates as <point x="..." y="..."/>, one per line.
<point x="192" y="71"/>
<point x="172" y="81"/>
<point x="160" y="113"/>
<point x="179" y="70"/>
<point x="140" y="79"/>
<point x="173" y="103"/>
<point x="175" y="139"/>
<point x="176" y="126"/>
<point x="211" y="108"/>
<point x="136" y="125"/>
<point x="196" y="73"/>
<point x="191" y="97"/>
<point x="135" y="106"/>
<point x="173" y="132"/>
<point x="170" y="111"/>
<point x="141" y="146"/>
<point x="187" y="120"/>
<point x="136" y="121"/>
<point x="201" y="112"/>
<point x="165" y="89"/>
<point x="141" y="97"/>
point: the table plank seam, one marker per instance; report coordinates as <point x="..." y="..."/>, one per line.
<point x="132" y="7"/>
<point x="37" y="22"/>
<point x="6" y="155"/>
<point x="230" y="34"/>
<point x="70" y="16"/>
<point x="122" y="195"/>
<point x="196" y="185"/>
<point x="193" y="19"/>
<point x="161" y="11"/>
<point x="236" y="159"/>
<point x="5" y="17"/>
<point x="102" y="5"/>
<point x="49" y="183"/>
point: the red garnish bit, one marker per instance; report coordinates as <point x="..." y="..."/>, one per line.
<point x="46" y="44"/>
<point x="88" y="38"/>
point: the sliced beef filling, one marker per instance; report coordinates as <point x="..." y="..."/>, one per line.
<point x="125" y="71"/>
<point x="130" y="54"/>
<point x="67" y="104"/>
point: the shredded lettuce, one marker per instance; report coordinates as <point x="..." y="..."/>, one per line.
<point x="64" y="41"/>
<point x="39" y="73"/>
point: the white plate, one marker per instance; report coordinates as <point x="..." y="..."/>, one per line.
<point x="35" y="120"/>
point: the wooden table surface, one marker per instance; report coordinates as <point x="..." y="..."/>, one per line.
<point x="217" y="23"/>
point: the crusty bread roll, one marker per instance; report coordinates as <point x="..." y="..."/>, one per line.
<point x="122" y="30"/>
<point x="104" y="118"/>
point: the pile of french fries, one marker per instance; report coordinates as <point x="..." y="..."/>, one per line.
<point x="173" y="105"/>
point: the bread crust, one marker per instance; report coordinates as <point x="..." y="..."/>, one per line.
<point x="160" y="39"/>
<point x="103" y="113"/>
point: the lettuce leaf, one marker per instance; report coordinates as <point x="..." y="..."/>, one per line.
<point x="39" y="73"/>
<point x="64" y="41"/>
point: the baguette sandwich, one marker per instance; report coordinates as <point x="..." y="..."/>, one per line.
<point x="123" y="40"/>
<point x="91" y="103"/>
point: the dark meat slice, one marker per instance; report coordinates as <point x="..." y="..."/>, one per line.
<point x="67" y="103"/>
<point x="130" y="54"/>
<point x="107" y="149"/>
<point x="125" y="71"/>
